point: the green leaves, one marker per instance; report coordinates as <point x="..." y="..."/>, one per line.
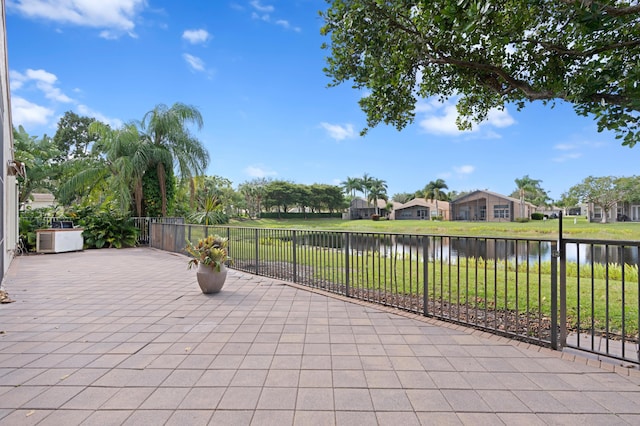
<point x="490" y="53"/>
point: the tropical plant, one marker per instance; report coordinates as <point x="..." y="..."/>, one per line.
<point x="433" y="191"/>
<point x="167" y="128"/>
<point x="377" y="191"/>
<point x="122" y="157"/>
<point x="210" y="251"/>
<point x="38" y="157"/>
<point x="351" y="185"/>
<point x="108" y="228"/>
<point x="209" y="213"/>
<point x="529" y="190"/>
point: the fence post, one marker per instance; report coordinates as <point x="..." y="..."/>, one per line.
<point x="563" y="284"/>
<point x="295" y="257"/>
<point x="257" y="251"/>
<point x="554" y="294"/>
<point x="425" y="272"/>
<point x="346" y="263"/>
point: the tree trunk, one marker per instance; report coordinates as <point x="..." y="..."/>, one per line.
<point x="162" y="183"/>
<point x="137" y="195"/>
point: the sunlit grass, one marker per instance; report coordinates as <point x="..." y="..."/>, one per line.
<point x="573" y="227"/>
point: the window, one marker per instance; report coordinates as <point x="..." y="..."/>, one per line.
<point x="501" y="211"/>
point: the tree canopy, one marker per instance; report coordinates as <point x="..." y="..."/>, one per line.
<point x="490" y="54"/>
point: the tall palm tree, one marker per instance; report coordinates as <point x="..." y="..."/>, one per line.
<point x="377" y="191"/>
<point x="123" y="157"/>
<point x="365" y="183"/>
<point x="351" y="185"/>
<point x="527" y="188"/>
<point x="167" y="128"/>
<point x="433" y="192"/>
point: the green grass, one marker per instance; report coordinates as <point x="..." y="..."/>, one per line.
<point x="533" y="229"/>
<point x="499" y="286"/>
<point x="496" y="286"/>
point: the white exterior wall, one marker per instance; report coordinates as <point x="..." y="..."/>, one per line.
<point x="8" y="188"/>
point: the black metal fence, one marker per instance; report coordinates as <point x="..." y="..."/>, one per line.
<point x="143" y="225"/>
<point x="581" y="294"/>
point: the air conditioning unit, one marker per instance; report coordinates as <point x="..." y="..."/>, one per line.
<point x="45" y="243"/>
<point x="59" y="240"/>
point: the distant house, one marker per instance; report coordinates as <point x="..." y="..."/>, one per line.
<point x="40" y="200"/>
<point x="362" y="209"/>
<point x="420" y="208"/>
<point x="623" y="211"/>
<point x="490" y="207"/>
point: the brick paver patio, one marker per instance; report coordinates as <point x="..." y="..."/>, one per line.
<point x="126" y="337"/>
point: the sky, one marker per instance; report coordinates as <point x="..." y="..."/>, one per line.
<point x="254" y="69"/>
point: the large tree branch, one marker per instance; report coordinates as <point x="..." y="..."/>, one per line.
<point x="563" y="50"/>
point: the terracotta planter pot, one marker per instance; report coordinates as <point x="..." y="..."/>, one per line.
<point x="210" y="280"/>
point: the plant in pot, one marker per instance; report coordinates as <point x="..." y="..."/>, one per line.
<point x="210" y="256"/>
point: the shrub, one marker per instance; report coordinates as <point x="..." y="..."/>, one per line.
<point x="375" y="217"/>
<point x="537" y="216"/>
<point x="108" y="228"/>
<point x="30" y="220"/>
<point x="522" y="219"/>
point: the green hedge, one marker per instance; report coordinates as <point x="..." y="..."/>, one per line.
<point x="272" y="215"/>
<point x="537" y="216"/>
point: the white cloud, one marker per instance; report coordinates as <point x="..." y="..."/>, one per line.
<point x="258" y="172"/>
<point x="261" y="8"/>
<point x="114" y="17"/>
<point x="440" y="119"/>
<point x="88" y="112"/>
<point x="444" y="123"/>
<point x="499" y="118"/>
<point x="43" y="84"/>
<point x="43" y="81"/>
<point x="194" y="62"/>
<point x="26" y="113"/>
<point x="339" y="132"/>
<point x="264" y="17"/>
<point x="464" y="170"/>
<point x="564" y="147"/>
<point x="285" y="24"/>
<point x="196" y="36"/>
<point x="263" y="12"/>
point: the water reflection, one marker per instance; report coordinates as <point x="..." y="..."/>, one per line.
<point x="452" y="248"/>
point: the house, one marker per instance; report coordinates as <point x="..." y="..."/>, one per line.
<point x="624" y="211"/>
<point x="359" y="208"/>
<point x="490" y="207"/>
<point x="10" y="167"/>
<point x="420" y="208"/>
<point x="40" y="200"/>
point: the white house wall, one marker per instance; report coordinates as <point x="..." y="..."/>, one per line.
<point x="8" y="189"/>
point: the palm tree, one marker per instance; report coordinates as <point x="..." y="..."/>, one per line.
<point x="433" y="192"/>
<point x="527" y="188"/>
<point x="377" y="190"/>
<point x="124" y="156"/>
<point x="167" y="128"/>
<point x="351" y="185"/>
<point x="365" y="184"/>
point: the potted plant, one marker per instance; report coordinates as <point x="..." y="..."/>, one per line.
<point x="210" y="257"/>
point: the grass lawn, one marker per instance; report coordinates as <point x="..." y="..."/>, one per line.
<point x="574" y="227"/>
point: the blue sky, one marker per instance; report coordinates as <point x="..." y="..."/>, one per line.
<point x="254" y="70"/>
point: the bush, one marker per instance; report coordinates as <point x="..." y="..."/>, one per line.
<point x="30" y="220"/>
<point x="522" y="219"/>
<point x="537" y="216"/>
<point x="108" y="228"/>
<point x="375" y="217"/>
